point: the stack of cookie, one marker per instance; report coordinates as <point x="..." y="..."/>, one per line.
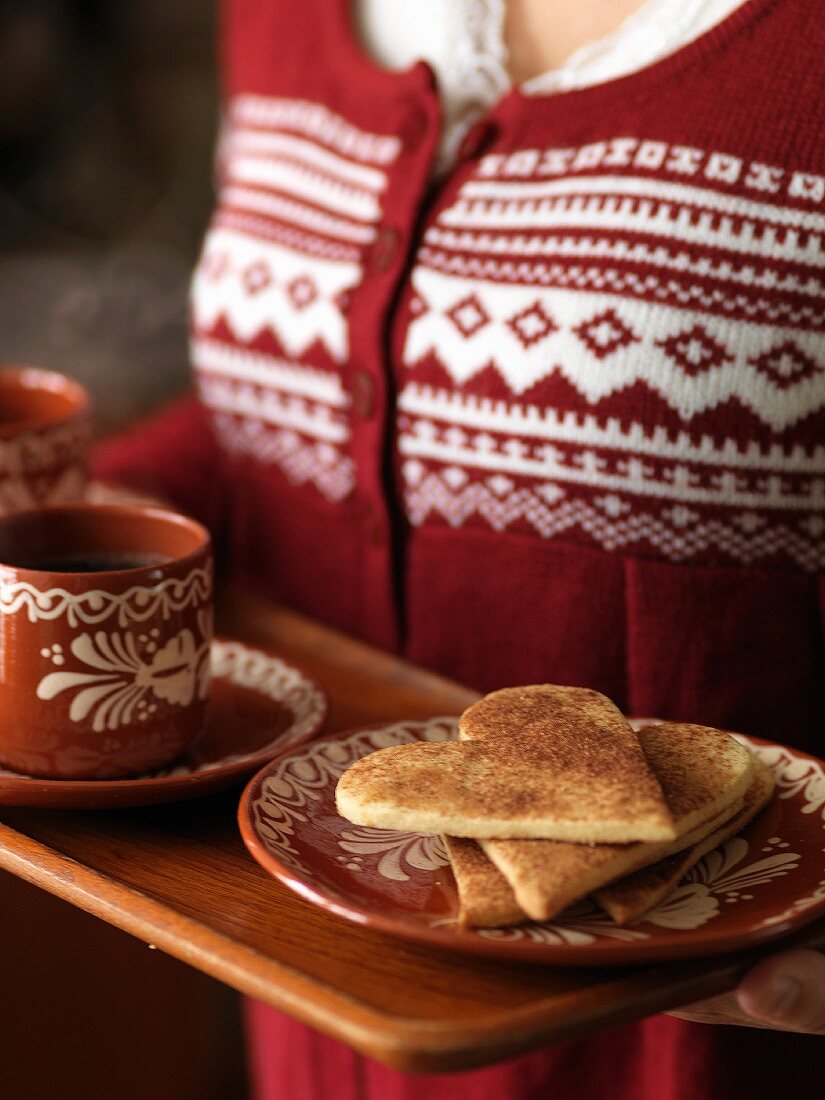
<point x="550" y="796"/>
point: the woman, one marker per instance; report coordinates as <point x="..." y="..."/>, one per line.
<point x="516" y="367"/>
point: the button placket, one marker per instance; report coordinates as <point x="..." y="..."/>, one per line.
<point x="368" y="375"/>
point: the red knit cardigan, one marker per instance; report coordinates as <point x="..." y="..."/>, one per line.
<point x="558" y="416"/>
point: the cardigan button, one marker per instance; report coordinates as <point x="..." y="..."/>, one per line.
<point x="478" y="139"/>
<point x="362" y="392"/>
<point x="384" y="247"/>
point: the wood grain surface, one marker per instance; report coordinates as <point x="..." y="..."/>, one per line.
<point x="179" y="877"/>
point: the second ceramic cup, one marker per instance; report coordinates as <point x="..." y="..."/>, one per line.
<point x="105" y="633"/>
<point x="45" y="428"/>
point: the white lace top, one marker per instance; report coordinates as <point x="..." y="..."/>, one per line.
<point x="463" y="41"/>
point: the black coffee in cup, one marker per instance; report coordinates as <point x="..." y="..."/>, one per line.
<point x="93" y="562"/>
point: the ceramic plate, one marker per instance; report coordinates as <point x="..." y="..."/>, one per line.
<point x="259" y="706"/>
<point x="755" y="887"/>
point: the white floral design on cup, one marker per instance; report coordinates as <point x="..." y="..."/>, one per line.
<point x="131" y="674"/>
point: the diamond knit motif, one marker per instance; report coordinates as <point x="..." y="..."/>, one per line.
<point x="695" y="351"/>
<point x="469" y="315"/>
<point x="786" y="365"/>
<point x="302" y="291"/>
<point x="256" y="277"/>
<point x="605" y="333"/>
<point x="532" y="324"/>
<point x="301" y="194"/>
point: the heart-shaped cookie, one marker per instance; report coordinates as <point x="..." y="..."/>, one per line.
<point x="703" y="773"/>
<point x="627" y="900"/>
<point x="534" y="762"/>
<point x="486" y="899"/>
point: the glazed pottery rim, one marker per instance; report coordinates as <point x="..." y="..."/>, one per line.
<point x="52" y="381"/>
<point x="139" y="512"/>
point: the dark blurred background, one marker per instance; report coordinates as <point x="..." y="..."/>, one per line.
<point x="107" y="118"/>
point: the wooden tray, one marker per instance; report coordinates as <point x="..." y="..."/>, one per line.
<point x="179" y="877"/>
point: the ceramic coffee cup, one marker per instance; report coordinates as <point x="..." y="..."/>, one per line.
<point x="105" y="632"/>
<point x="45" y="427"/>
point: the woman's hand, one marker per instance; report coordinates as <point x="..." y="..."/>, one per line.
<point x="785" y="992"/>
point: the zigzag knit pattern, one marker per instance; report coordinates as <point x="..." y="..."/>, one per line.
<point x="622" y="342"/>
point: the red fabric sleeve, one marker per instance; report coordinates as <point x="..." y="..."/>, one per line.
<point x="172" y="455"/>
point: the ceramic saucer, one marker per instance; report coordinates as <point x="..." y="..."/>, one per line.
<point x="259" y="706"/>
<point x="755" y="887"/>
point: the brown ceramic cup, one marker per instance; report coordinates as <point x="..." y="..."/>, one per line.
<point x="45" y="427"/>
<point x="105" y="632"/>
